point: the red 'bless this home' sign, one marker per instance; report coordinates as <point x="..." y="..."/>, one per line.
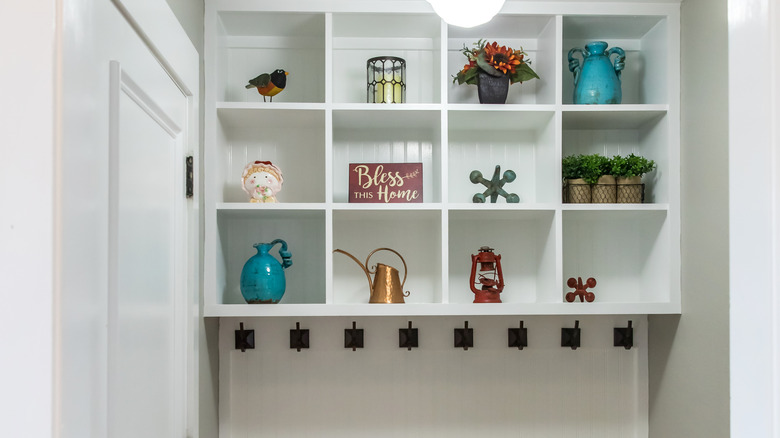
<point x="385" y="182"/>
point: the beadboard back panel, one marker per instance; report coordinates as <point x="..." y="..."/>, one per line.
<point x="435" y="390"/>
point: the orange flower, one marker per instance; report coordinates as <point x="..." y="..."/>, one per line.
<point x="483" y="56"/>
<point x="469" y="66"/>
<point x="502" y="58"/>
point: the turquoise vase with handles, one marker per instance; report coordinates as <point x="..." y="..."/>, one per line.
<point x="597" y="79"/>
<point x="262" y="278"/>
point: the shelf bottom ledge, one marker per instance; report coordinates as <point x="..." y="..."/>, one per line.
<point x="437" y="309"/>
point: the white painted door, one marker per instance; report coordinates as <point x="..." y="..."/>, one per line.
<point x="146" y="336"/>
<point x="129" y="250"/>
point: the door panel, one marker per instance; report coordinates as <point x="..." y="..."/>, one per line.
<point x="146" y="363"/>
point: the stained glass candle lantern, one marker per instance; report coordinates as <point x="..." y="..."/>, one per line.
<point x="386" y="79"/>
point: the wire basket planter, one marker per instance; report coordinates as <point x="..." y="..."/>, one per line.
<point x="574" y="193"/>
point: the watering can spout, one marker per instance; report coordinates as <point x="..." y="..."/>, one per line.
<point x="387" y="287"/>
<point x="362" y="266"/>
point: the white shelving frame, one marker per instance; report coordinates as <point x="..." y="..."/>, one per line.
<point x="320" y="123"/>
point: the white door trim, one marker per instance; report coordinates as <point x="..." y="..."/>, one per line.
<point x="152" y="21"/>
<point x="754" y="217"/>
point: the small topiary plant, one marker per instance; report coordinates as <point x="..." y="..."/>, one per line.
<point x="593" y="167"/>
<point x="631" y="166"/>
<point x="572" y="167"/>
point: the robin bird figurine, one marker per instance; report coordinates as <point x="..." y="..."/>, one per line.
<point x="269" y="84"/>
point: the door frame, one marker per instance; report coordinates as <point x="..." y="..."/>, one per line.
<point x="754" y="217"/>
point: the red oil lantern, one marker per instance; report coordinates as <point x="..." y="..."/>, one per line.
<point x="488" y="283"/>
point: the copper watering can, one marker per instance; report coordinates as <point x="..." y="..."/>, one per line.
<point x="387" y="286"/>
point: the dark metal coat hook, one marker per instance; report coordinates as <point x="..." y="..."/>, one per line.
<point x="245" y="339"/>
<point x="570" y="337"/>
<point x="464" y="337"/>
<point x="518" y="337"/>
<point x="299" y="338"/>
<point x="624" y="336"/>
<point x="407" y="337"/>
<point x="353" y="337"/>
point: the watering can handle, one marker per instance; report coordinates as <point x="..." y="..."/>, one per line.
<point x="286" y="255"/>
<point x="574" y="63"/>
<point x="406" y="294"/>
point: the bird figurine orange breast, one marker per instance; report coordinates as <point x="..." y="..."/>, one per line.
<point x="269" y="84"/>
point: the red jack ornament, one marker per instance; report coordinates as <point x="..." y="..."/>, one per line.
<point x="580" y="290"/>
<point x="489" y="282"/>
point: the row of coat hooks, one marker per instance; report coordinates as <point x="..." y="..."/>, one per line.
<point x="517" y="337"/>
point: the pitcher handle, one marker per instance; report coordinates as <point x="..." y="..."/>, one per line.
<point x="574" y="63"/>
<point x="286" y="255"/>
<point x="620" y="59"/>
<point x="406" y="294"/>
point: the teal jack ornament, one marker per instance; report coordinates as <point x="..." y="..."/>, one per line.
<point x="494" y="186"/>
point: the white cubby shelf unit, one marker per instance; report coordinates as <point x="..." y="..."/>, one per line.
<point x="320" y="123"/>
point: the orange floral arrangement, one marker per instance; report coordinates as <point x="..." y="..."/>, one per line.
<point x="496" y="61"/>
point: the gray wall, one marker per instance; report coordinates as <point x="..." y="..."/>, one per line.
<point x="689" y="354"/>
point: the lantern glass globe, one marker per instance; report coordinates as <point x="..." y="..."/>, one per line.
<point x="462" y="13"/>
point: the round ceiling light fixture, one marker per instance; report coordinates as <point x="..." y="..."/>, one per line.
<point x="463" y="13"/>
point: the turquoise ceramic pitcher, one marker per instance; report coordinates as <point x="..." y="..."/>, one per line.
<point x="597" y="80"/>
<point x="262" y="278"/>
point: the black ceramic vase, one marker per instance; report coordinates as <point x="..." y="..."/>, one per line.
<point x="492" y="89"/>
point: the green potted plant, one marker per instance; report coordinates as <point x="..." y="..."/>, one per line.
<point x="575" y="188"/>
<point x="580" y="172"/>
<point x="628" y="172"/>
<point x="604" y="190"/>
<point x="492" y="68"/>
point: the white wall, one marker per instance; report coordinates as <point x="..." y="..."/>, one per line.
<point x="27" y="262"/>
<point x="689" y="354"/>
<point x="190" y="15"/>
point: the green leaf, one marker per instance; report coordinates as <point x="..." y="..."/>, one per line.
<point x="470" y="77"/>
<point x="523" y="72"/>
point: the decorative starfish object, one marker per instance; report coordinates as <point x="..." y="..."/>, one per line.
<point x="580" y="290"/>
<point x="494" y="186"/>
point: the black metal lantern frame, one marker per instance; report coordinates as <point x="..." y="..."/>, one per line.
<point x="386" y="79"/>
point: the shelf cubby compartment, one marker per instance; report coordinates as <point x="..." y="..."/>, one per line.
<point x="415" y="234"/>
<point x="525" y="239"/>
<point x="302" y="227"/>
<point x="622" y="130"/>
<point x="386" y="134"/>
<point x="627" y="252"/>
<point x="292" y="139"/>
<point x="536" y="35"/>
<point x="251" y="43"/>
<point x="645" y="39"/>
<point x="414" y="37"/>
<point x="522" y="141"/>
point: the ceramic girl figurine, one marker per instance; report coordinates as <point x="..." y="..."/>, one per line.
<point x="262" y="180"/>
